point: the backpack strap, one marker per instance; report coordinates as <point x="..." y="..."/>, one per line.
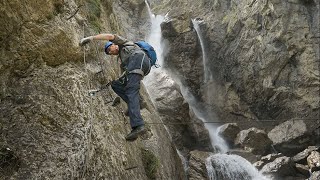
<point x="139" y="71"/>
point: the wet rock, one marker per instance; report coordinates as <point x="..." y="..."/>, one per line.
<point x="301" y="157"/>
<point x="197" y="168"/>
<point x="280" y="167"/>
<point x="249" y="156"/>
<point x="253" y="140"/>
<point x="290" y="137"/>
<point x="229" y="132"/>
<point x="314" y="161"/>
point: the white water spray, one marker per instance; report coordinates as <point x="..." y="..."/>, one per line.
<point x="154" y="39"/>
<point x="216" y="141"/>
<point x="231" y="167"/>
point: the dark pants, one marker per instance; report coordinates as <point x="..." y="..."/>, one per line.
<point x="128" y="88"/>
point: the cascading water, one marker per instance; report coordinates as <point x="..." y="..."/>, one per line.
<point x="217" y="142"/>
<point x="206" y="70"/>
<point x="154" y="38"/>
<point x="231" y="167"/>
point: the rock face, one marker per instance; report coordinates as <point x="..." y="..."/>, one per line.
<point x="262" y="55"/>
<point x="197" y="167"/>
<point x="187" y="131"/>
<point x="49" y="127"/>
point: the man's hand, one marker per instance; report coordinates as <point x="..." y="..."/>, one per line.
<point x="86" y="40"/>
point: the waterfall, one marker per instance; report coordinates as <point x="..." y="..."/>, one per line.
<point x="223" y="166"/>
<point x="206" y="70"/>
<point x="154" y="39"/>
<point x="217" y="142"/>
<point x="230" y="167"/>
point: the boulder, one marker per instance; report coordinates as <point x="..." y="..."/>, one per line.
<point x="314" y="161"/>
<point x="301" y="157"/>
<point x="253" y="140"/>
<point x="279" y="168"/>
<point x="290" y="137"/>
<point x="229" y="132"/>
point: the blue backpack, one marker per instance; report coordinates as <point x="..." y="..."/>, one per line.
<point x="149" y="51"/>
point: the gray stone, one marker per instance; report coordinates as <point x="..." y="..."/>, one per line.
<point x="253" y="140"/>
<point x="314" y="161"/>
<point x="290" y="137"/>
<point x="301" y="157"/>
<point x="280" y="167"/>
<point x="229" y="132"/>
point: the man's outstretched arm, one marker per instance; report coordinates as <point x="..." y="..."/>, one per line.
<point x="86" y="40"/>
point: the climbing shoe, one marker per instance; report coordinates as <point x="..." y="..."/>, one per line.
<point x="116" y="101"/>
<point x="134" y="134"/>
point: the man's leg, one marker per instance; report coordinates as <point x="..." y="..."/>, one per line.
<point x="136" y="121"/>
<point x="119" y="88"/>
<point x="132" y="92"/>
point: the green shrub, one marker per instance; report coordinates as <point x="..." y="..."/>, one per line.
<point x="150" y="163"/>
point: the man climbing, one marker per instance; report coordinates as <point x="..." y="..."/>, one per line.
<point x="135" y="65"/>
